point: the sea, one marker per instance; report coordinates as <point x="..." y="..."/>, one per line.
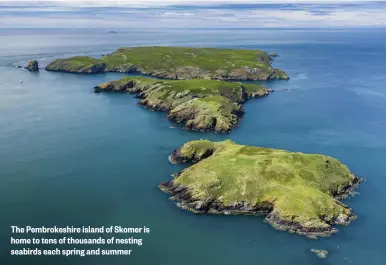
<point x="69" y="157"/>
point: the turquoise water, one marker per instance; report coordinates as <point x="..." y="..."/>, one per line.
<point x="72" y="157"/>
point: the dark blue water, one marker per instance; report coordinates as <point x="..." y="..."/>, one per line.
<point x="71" y="157"/>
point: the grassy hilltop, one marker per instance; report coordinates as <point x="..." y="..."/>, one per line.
<point x="177" y="63"/>
<point x="297" y="192"/>
<point x="202" y="105"/>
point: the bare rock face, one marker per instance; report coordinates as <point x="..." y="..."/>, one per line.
<point x="33" y="66"/>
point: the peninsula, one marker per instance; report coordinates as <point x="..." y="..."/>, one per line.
<point x="177" y="63"/>
<point x="296" y="192"/>
<point x="202" y="105"/>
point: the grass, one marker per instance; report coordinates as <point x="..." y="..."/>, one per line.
<point x="178" y="63"/>
<point x="300" y="186"/>
<point x="81" y="64"/>
<point x="212" y="111"/>
<point x="211" y="59"/>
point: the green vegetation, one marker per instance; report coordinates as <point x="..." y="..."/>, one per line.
<point x="77" y="64"/>
<point x="177" y="63"/>
<point x="297" y="192"/>
<point x="201" y="105"/>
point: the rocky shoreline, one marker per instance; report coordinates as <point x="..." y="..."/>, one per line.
<point x="243" y="74"/>
<point x="201" y="105"/>
<point x="186" y="199"/>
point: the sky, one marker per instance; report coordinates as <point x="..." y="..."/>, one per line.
<point x="191" y="14"/>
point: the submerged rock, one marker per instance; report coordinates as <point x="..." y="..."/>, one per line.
<point x="273" y="54"/>
<point x="33" y="66"/>
<point x="321" y="253"/>
<point x="296" y="192"/>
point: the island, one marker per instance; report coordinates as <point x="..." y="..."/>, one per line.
<point x="177" y="63"/>
<point x="202" y="105"/>
<point x="33" y="66"/>
<point x="295" y="192"/>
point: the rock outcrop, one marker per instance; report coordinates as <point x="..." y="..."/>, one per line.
<point x="33" y="66"/>
<point x="321" y="253"/>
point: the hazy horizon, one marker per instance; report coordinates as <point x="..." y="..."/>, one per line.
<point x="191" y="14"/>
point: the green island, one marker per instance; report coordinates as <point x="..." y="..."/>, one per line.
<point x="202" y="105"/>
<point x="295" y="192"/>
<point x="177" y="63"/>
